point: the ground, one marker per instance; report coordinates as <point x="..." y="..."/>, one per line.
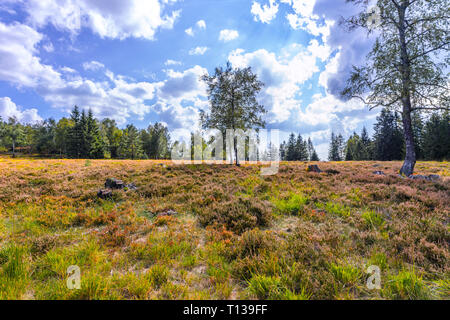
<point x="236" y="234"/>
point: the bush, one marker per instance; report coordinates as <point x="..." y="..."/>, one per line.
<point x="406" y="285"/>
<point x="238" y="214"/>
<point x="272" y="288"/>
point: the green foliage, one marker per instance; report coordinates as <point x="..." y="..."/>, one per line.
<point x="293" y="204"/>
<point x="272" y="288"/>
<point x="406" y="285"/>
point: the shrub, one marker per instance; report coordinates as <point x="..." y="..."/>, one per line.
<point x="294" y="204"/>
<point x="406" y="285"/>
<point x="238" y="215"/>
<point x="373" y="219"/>
<point x="253" y="241"/>
<point x="272" y="288"/>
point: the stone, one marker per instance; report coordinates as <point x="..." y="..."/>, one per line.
<point x="431" y="177"/>
<point x="379" y="173"/>
<point x="112" y="183"/>
<point x="104" y="194"/>
<point x="314" y="168"/>
<point x="131" y="186"/>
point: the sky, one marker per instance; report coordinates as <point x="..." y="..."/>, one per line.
<point x="140" y="61"/>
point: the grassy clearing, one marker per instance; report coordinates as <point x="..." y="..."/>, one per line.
<point x="294" y="235"/>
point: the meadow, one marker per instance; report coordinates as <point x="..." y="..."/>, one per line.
<point x="222" y="232"/>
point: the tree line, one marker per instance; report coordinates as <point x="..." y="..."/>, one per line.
<point x="431" y="139"/>
<point x="84" y="137"/>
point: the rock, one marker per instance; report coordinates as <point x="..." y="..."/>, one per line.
<point x="434" y="177"/>
<point x="167" y="213"/>
<point x="131" y="186"/>
<point x="314" y="168"/>
<point x="112" y="183"/>
<point x="331" y="171"/>
<point x="431" y="177"/>
<point x="379" y="173"/>
<point x="376" y="165"/>
<point x="104" y="194"/>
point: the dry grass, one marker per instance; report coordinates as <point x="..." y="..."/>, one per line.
<point x="294" y="235"/>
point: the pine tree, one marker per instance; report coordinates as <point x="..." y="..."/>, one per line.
<point x="301" y="149"/>
<point x="436" y="135"/>
<point x="334" y="150"/>
<point x="388" y="138"/>
<point x="131" y="144"/>
<point x="291" y="148"/>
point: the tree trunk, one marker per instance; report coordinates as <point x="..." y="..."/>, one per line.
<point x="410" y="158"/>
<point x="236" y="149"/>
<point x="14" y="149"/>
<point x="405" y="68"/>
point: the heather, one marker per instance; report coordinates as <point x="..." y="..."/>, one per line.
<point x="230" y="234"/>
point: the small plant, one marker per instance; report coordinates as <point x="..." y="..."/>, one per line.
<point x="406" y="285"/>
<point x="373" y="219"/>
<point x="335" y="208"/>
<point x="158" y="275"/>
<point x="271" y="288"/>
<point x="347" y="275"/>
<point x="293" y="205"/>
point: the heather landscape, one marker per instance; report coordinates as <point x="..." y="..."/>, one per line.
<point x="239" y="151"/>
<point x="222" y="232"/>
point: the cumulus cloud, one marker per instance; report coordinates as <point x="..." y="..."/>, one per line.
<point x="93" y="66"/>
<point x="283" y="76"/>
<point x="18" y="61"/>
<point x="201" y="24"/>
<point x="265" y="13"/>
<point x="172" y="62"/>
<point x="109" y="19"/>
<point x="198" y="51"/>
<point x="228" y="35"/>
<point x="8" y="109"/>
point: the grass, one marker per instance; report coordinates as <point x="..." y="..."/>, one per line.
<point x="235" y="234"/>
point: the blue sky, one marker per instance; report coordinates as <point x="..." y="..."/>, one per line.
<point x="139" y="61"/>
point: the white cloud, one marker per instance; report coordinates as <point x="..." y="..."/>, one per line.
<point x="265" y="13"/>
<point x="172" y="63"/>
<point x="283" y="76"/>
<point x="228" y="35"/>
<point x="18" y="63"/>
<point x="189" y="32"/>
<point x="201" y="24"/>
<point x="108" y="19"/>
<point x="198" y="51"/>
<point x="93" y="66"/>
<point x="9" y="109"/>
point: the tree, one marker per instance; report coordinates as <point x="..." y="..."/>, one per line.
<point x="232" y="95"/>
<point x="436" y="145"/>
<point x="156" y="141"/>
<point x="315" y="156"/>
<point x="62" y="130"/>
<point x="406" y="67"/>
<point x="75" y="135"/>
<point x="301" y="149"/>
<point x="334" y="152"/>
<point x="131" y="144"/>
<point x="311" y="150"/>
<point x="388" y="138"/>
<point x="291" y="148"/>
<point x="353" y="148"/>
<point x="366" y="144"/>
<point x="93" y="140"/>
<point x="13" y="133"/>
